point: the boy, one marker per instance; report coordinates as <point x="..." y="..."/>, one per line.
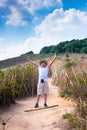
<point x="42" y="87"/>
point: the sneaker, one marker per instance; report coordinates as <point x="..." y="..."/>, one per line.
<point x="36" y="105"/>
<point x="45" y="105"/>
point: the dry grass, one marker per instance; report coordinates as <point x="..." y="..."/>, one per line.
<point x="71" y="77"/>
<point x="17" y="82"/>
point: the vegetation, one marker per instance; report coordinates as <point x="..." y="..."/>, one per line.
<point x="71" y="77"/>
<point x="70" y="64"/>
<point x="72" y="120"/>
<point x="73" y="46"/>
<point x="17" y="82"/>
<point x="77" y="120"/>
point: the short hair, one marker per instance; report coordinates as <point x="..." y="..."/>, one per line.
<point x="43" y="61"/>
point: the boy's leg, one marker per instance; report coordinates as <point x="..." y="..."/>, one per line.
<point x="38" y="98"/>
<point x="45" y="98"/>
<point x="37" y="101"/>
<point x="39" y="91"/>
<point x="46" y="91"/>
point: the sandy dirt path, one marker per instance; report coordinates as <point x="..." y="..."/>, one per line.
<point x="47" y="119"/>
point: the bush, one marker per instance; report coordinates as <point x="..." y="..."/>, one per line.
<point x="72" y="119"/>
<point x="72" y="81"/>
<point x="78" y="120"/>
<point x="17" y="82"/>
<point x="69" y="64"/>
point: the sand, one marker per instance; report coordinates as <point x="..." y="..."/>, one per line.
<point x="46" y="119"/>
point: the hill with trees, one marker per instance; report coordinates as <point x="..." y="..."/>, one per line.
<point x="73" y="46"/>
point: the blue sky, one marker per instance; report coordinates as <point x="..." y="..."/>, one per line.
<point x="27" y="25"/>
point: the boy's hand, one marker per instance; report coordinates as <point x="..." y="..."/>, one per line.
<point x="52" y="60"/>
<point x="33" y="62"/>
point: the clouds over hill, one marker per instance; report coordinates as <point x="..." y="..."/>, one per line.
<point x="45" y="22"/>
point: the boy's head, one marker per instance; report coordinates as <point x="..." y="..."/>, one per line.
<point x="43" y="63"/>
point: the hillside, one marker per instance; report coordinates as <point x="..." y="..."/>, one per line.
<point x="73" y="46"/>
<point x="12" y="62"/>
<point x="21" y="60"/>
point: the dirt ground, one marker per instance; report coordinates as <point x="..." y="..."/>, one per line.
<point x="47" y="119"/>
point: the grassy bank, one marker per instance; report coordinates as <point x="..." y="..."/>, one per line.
<point x="17" y="82"/>
<point x="71" y="77"/>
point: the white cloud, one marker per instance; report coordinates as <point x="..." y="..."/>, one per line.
<point x="3" y="3"/>
<point x="15" y="18"/>
<point x="58" y="26"/>
<point x="2" y="40"/>
<point x="33" y="5"/>
<point x="64" y="25"/>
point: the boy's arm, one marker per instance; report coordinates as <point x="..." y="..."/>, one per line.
<point x="52" y="61"/>
<point x="34" y="63"/>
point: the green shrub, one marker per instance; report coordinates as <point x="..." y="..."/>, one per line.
<point x="70" y="64"/>
<point x="62" y="94"/>
<point x="17" y="82"/>
<point x="78" y="120"/>
<point x="72" y="119"/>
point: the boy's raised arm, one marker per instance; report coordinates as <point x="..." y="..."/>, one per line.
<point x="34" y="63"/>
<point x="52" y="61"/>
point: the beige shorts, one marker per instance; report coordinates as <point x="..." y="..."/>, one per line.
<point x="42" y="88"/>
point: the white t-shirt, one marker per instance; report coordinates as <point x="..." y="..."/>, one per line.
<point x="43" y="73"/>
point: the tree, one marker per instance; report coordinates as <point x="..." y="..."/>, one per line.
<point x="73" y="46"/>
<point x="83" y="50"/>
